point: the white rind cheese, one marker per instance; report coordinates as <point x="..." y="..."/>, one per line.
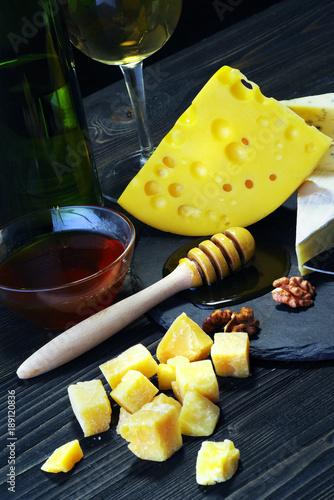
<point x="315" y="216"/>
<point x="316" y="110"/>
<point x="315" y="201"/>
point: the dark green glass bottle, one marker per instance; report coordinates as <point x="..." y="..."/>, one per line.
<point x="46" y="157"/>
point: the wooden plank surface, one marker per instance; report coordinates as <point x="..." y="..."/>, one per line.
<point x="281" y="418"/>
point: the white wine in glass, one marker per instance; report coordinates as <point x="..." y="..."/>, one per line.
<point x="123" y="33"/>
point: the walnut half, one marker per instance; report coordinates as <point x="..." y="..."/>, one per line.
<point x="295" y="292"/>
<point x="228" y="321"/>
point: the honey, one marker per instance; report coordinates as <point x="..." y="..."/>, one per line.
<point x="34" y="277"/>
<point x="270" y="261"/>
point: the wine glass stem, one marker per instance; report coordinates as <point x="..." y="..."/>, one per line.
<point x="133" y="75"/>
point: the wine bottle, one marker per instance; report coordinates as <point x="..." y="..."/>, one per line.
<point x="46" y="154"/>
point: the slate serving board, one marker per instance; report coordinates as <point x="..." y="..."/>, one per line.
<point x="286" y="334"/>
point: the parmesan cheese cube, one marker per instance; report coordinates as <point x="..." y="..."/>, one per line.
<point x="137" y="358"/>
<point x="230" y="354"/>
<point x="133" y="391"/>
<point x="123" y="415"/>
<point x="177" y="361"/>
<point x="64" y="458"/>
<point x="199" y="416"/>
<point x="166" y="375"/>
<point x="91" y="406"/>
<point x="184" y="338"/>
<point x="216" y="462"/>
<point x="167" y="371"/>
<point x="153" y="431"/>
<point x="164" y="399"/>
<point x="199" y="376"/>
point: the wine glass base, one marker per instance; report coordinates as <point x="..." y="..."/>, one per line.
<point x="114" y="179"/>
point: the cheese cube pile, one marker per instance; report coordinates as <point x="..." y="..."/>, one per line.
<point x="153" y="424"/>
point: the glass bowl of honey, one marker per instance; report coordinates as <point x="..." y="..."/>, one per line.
<point x="59" y="266"/>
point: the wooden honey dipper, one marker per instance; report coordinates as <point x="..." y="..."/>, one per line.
<point x="213" y="259"/>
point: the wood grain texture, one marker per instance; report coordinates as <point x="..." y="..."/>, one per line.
<point x="281" y="418"/>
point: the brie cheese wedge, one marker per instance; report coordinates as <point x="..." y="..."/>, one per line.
<point x="315" y="198"/>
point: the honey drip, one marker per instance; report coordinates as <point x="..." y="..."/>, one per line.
<point x="270" y="262"/>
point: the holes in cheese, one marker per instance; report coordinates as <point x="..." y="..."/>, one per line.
<point x="152" y="188"/>
<point x="175" y="190"/>
<point x="242" y="90"/>
<point x="231" y="159"/>
<point x="227" y="188"/>
<point x="236" y="153"/>
<point x="189" y="116"/>
<point x="221" y="129"/>
<point x="198" y="170"/>
<point x="168" y="161"/>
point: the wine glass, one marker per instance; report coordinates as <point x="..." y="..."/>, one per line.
<point x="123" y="33"/>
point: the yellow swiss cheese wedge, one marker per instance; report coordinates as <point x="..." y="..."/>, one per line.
<point x="232" y="158"/>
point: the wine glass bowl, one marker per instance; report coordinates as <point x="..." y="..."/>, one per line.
<point x="121" y="32"/>
<point x="59" y="266"/>
<point x="124" y="33"/>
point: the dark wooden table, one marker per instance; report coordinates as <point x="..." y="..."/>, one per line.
<point x="281" y="418"/>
